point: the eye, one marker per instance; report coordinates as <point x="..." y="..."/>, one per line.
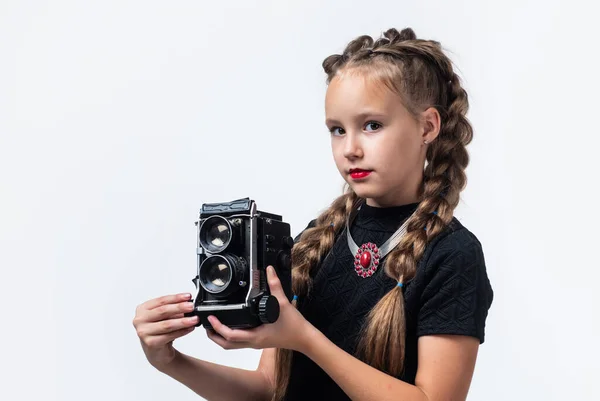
<point x="374" y="123"/>
<point x="333" y="131"/>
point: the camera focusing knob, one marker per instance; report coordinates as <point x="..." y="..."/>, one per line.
<point x="285" y="261"/>
<point x="288" y="242"/>
<point x="268" y="309"/>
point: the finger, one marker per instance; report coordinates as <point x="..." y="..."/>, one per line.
<point x="228" y="334"/>
<point x="167" y="326"/>
<point x="165" y="300"/>
<point x="158" y="341"/>
<point x="220" y="341"/>
<point x="275" y="285"/>
<point x="167" y="311"/>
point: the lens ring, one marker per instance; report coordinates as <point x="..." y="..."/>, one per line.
<point x="215" y="234"/>
<point x="216" y="273"/>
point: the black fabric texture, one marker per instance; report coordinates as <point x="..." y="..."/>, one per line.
<point x="450" y="294"/>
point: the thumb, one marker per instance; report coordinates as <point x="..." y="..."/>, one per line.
<point x="275" y="284"/>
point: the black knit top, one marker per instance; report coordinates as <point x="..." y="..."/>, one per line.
<point x="450" y="294"/>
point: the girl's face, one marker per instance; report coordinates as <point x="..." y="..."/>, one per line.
<point x="377" y="145"/>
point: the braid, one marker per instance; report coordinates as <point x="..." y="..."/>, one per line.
<point x="316" y="242"/>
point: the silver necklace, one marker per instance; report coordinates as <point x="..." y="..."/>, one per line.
<point x="368" y="256"/>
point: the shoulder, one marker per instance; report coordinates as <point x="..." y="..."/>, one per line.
<point x="456" y="243"/>
<point x="311" y="224"/>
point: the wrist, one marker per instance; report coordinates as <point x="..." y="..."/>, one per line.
<point x="170" y="366"/>
<point x="308" y="339"/>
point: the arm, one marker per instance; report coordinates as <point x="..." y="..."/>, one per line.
<point x="223" y="383"/>
<point x="160" y="321"/>
<point x="446" y="365"/>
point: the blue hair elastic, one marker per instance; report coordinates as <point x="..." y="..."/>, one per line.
<point x="400" y="284"/>
<point x="434" y="212"/>
<point x="295" y="298"/>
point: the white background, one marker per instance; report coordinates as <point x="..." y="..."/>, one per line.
<point x="118" y="119"/>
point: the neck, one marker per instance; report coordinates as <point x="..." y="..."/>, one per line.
<point x="398" y="200"/>
<point x="377" y="203"/>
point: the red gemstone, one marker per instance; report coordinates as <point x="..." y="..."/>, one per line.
<point x="375" y="249"/>
<point x="376" y="262"/>
<point x="364" y="275"/>
<point x="365" y="259"/>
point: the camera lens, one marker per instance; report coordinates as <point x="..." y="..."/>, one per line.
<point x="218" y="235"/>
<point x="215" y="234"/>
<point x="217" y="273"/>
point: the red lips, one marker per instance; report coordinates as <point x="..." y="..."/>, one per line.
<point x="357" y="173"/>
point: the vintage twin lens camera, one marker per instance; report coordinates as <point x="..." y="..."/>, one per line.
<point x="235" y="244"/>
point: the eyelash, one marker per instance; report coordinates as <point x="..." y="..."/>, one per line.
<point x="370" y="122"/>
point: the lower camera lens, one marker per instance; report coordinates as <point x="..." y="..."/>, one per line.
<point x="221" y="273"/>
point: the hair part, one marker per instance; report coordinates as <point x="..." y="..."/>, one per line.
<point x="422" y="76"/>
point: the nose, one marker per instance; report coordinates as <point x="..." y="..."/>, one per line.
<point x="352" y="146"/>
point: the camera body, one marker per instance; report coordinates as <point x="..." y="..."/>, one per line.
<point x="235" y="244"/>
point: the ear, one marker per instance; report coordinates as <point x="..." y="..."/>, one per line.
<point x="431" y="123"/>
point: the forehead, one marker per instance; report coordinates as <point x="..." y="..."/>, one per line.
<point x="354" y="90"/>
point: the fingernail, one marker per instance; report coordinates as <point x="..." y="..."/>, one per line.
<point x="186" y="296"/>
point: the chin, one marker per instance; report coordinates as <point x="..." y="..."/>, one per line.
<point x="364" y="191"/>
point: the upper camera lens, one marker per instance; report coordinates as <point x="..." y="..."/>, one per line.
<point x="215" y="234"/>
<point x="218" y="234"/>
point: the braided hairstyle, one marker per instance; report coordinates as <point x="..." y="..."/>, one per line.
<point x="422" y="75"/>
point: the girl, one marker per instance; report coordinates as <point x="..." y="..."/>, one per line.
<point x="391" y="290"/>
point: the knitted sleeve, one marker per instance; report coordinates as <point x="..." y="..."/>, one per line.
<point x="458" y="294"/>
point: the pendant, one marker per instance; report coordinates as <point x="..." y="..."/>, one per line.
<point x="366" y="260"/>
<point x="368" y="256"/>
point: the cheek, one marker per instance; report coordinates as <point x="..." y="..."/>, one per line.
<point x="397" y="155"/>
<point x="338" y="156"/>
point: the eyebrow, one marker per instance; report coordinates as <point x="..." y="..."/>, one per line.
<point x="360" y="116"/>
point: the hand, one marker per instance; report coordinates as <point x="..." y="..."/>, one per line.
<point x="159" y="322"/>
<point x="290" y="331"/>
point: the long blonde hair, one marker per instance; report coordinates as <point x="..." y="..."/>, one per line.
<point x="423" y="76"/>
